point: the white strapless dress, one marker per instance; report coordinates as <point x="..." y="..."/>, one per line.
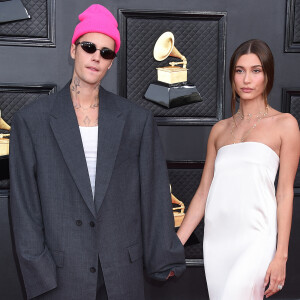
<point x="240" y="221"/>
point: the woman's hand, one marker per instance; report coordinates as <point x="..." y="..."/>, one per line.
<point x="275" y="276"/>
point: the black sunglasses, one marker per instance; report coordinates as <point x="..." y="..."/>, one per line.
<point x="91" y="48"/>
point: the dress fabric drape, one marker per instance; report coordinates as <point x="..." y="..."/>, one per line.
<point x="240" y="221"/>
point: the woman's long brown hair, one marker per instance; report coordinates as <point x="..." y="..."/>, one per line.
<point x="263" y="52"/>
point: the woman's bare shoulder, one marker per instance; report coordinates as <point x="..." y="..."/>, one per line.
<point x="285" y="126"/>
<point x="222" y="125"/>
<point x="288" y="119"/>
<point x="284" y="120"/>
<point x="219" y="129"/>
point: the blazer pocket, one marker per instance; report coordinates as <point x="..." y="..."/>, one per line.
<point x="58" y="257"/>
<point x="135" y="252"/>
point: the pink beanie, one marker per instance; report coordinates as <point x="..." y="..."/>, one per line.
<point x="97" y="18"/>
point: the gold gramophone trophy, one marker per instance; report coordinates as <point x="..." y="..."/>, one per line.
<point x="178" y="210"/>
<point x="171" y="88"/>
<point x="179" y="214"/>
<point x="4" y="141"/>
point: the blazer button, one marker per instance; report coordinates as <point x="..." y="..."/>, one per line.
<point x="92" y="224"/>
<point x="78" y="222"/>
<point x="93" y="270"/>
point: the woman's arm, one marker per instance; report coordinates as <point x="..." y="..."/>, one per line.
<point x="289" y="159"/>
<point x="196" y="208"/>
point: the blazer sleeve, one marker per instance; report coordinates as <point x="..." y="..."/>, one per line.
<point x="163" y="251"/>
<point x="37" y="265"/>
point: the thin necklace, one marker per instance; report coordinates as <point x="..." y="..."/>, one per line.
<point x="258" y="118"/>
<point x="249" y="116"/>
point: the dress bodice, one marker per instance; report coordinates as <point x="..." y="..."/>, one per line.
<point x="243" y="185"/>
<point x="247" y="157"/>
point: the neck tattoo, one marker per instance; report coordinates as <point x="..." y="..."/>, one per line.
<point x="75" y="89"/>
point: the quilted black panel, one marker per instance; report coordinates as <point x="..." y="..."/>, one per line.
<point x="11" y="102"/>
<point x="295" y="111"/>
<point x="295" y="107"/>
<point x="196" y="38"/>
<point x="297" y="22"/>
<point x="292" y="30"/>
<point x="184" y="185"/>
<point x="34" y="27"/>
<point x="12" y="98"/>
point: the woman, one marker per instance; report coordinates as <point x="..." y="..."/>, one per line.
<point x="244" y="257"/>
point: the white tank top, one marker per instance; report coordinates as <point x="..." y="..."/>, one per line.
<point x="89" y="137"/>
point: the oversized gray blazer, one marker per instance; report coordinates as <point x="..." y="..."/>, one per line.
<point x="60" y="231"/>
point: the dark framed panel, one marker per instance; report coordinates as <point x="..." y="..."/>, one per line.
<point x="185" y="178"/>
<point x="11" y="284"/>
<point x="292" y="29"/>
<point x="39" y="30"/>
<point x="199" y="36"/>
<point x="4" y="173"/>
<point x="291" y="287"/>
<point x="291" y="104"/>
<point x="12" y="98"/>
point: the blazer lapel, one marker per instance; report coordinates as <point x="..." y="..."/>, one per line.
<point x="65" y="127"/>
<point x="109" y="136"/>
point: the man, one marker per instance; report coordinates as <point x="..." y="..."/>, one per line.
<point x="90" y="199"/>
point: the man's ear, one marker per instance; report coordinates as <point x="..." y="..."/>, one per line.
<point x="110" y="65"/>
<point x="73" y="51"/>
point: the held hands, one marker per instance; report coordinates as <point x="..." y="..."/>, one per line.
<point x="275" y="276"/>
